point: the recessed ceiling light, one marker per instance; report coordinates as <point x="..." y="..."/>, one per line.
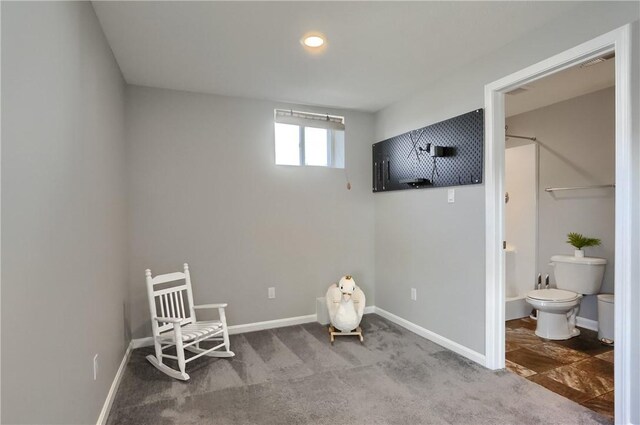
<point x="313" y="41"/>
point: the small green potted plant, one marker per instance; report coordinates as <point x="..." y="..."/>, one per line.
<point x="579" y="241"/>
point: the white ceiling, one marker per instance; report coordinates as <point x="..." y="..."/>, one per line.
<point x="377" y="52"/>
<point x="564" y="85"/>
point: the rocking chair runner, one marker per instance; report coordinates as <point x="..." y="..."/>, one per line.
<point x="176" y="325"/>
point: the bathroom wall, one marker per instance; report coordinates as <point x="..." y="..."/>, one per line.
<point x="205" y="190"/>
<point x="576" y="139"/>
<point x="451" y="278"/>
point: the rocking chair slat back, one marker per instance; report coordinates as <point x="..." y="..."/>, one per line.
<point x="169" y="277"/>
<point x="182" y="304"/>
<point x="172" y="308"/>
<point x="169" y="301"/>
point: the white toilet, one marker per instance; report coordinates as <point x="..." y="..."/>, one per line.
<point x="557" y="308"/>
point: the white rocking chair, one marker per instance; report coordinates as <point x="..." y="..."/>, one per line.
<point x="176" y="325"/>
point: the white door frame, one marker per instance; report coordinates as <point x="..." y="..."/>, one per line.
<point x="627" y="279"/>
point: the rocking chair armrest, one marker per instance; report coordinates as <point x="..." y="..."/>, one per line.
<point x="169" y="319"/>
<point x="221" y="305"/>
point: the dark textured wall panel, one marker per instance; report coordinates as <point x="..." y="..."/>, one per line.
<point x="403" y="162"/>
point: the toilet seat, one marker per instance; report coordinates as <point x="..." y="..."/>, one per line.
<point x="557" y="310"/>
<point x="552" y="295"/>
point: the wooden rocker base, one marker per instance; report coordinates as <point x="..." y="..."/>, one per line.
<point x="166" y="369"/>
<point x="220" y="354"/>
<point x="333" y="333"/>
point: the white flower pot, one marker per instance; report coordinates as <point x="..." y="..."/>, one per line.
<point x="579" y="253"/>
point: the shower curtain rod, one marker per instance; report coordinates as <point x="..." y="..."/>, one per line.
<point x="521" y="137"/>
<point x="506" y="128"/>
<point x="599" y="186"/>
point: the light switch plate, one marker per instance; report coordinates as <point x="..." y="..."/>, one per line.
<point x="451" y="196"/>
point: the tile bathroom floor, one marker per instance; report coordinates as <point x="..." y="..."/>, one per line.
<point x="580" y="368"/>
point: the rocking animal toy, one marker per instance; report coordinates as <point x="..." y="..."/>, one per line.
<point x="345" y="302"/>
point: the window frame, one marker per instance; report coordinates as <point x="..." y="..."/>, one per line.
<point x="301" y="124"/>
<point x="331" y="140"/>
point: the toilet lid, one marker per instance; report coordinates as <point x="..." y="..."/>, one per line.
<point x="592" y="261"/>
<point x="552" y="294"/>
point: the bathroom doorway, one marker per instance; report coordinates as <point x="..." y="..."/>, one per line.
<point x="626" y="241"/>
<point x="559" y="175"/>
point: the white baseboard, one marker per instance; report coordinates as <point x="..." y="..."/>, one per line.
<point x="142" y="342"/>
<point x="587" y="323"/>
<point x="432" y="336"/>
<point x="271" y="324"/>
<point x="106" y="408"/>
<point x="252" y="327"/>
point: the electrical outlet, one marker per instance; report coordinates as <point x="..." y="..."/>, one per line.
<point x="95" y="367"/>
<point x="414" y="294"/>
<point x="451" y="196"/>
<point x="272" y="292"/>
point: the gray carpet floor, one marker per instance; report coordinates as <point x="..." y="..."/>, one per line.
<point x="294" y="376"/>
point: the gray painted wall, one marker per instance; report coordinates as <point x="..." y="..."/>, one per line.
<point x="452" y="276"/>
<point x="64" y="248"/>
<point x="577" y="148"/>
<point x="205" y="190"/>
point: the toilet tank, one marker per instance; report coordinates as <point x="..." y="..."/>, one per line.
<point x="578" y="274"/>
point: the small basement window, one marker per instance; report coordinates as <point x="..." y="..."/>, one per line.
<point x="304" y="138"/>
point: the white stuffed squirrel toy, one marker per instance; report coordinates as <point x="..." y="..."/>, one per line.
<point x="345" y="302"/>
